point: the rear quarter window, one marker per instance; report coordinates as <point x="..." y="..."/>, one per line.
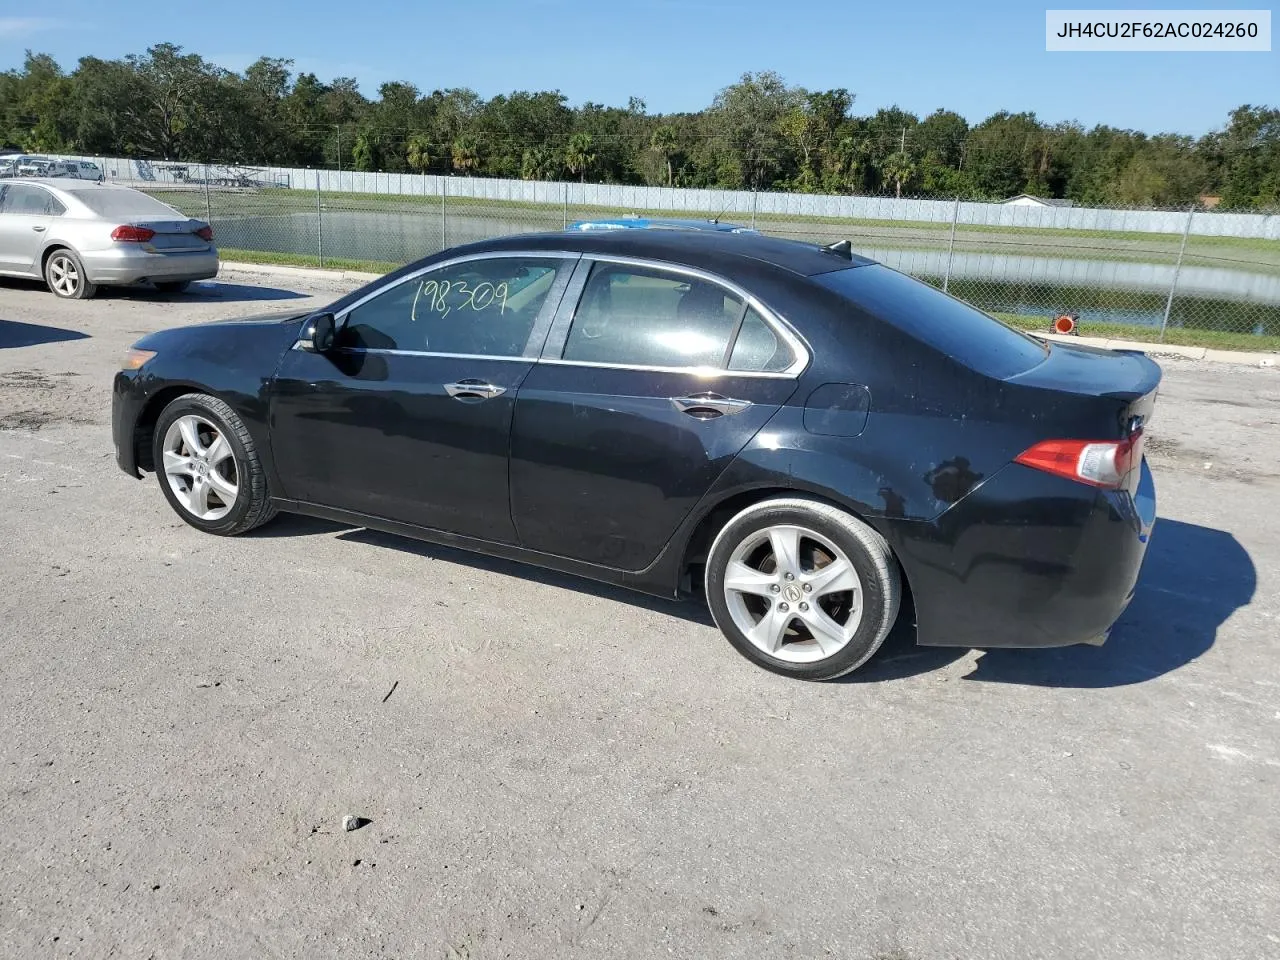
<point x="979" y="341"/>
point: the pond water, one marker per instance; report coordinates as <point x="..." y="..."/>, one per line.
<point x="1100" y="291"/>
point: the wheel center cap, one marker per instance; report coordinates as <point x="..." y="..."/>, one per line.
<point x="201" y="467"/>
<point x="792" y="593"/>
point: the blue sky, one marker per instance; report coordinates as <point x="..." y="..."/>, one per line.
<point x="675" y="54"/>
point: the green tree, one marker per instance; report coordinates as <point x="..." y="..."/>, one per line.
<point x="747" y="117"/>
<point x="664" y="143"/>
<point x="418" y="153"/>
<point x="364" y="153"/>
<point x="539" y="163"/>
<point x="580" y="155"/>
<point x="898" y="169"/>
<point x="466" y="154"/>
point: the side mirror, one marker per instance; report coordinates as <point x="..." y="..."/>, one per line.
<point x="318" y="333"/>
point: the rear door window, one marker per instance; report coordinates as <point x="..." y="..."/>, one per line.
<point x="25" y="199"/>
<point x="636" y="316"/>
<point x="979" y="341"/>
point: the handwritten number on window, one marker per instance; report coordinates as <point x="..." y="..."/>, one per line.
<point x="436" y="294"/>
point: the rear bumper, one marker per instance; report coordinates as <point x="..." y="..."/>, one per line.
<point x="1026" y="560"/>
<point x="131" y="264"/>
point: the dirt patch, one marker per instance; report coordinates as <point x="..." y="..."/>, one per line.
<point x="31" y="399"/>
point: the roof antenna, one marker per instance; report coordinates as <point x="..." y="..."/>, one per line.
<point x="841" y="248"/>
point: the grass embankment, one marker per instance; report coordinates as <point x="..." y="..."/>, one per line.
<point x="1190" y="337"/>
<point x="1120" y="245"/>
<point x="1181" y="336"/>
<point x="306" y="260"/>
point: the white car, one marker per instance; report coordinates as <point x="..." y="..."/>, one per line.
<point x="32" y="166"/>
<point x="80" y="169"/>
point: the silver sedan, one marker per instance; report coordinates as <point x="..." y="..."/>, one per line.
<point x="79" y="235"/>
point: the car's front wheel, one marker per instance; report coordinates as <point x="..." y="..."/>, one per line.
<point x="64" y="273"/>
<point x="802" y="588"/>
<point x="208" y="466"/>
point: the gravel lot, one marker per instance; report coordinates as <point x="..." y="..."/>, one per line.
<point x="563" y="770"/>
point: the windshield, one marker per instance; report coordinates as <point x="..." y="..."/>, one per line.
<point x="125" y="204"/>
<point x="979" y="341"/>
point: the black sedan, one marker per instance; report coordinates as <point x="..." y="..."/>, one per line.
<point x="805" y="435"/>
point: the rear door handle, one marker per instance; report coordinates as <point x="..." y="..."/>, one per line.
<point x="37" y="229"/>
<point x="708" y="406"/>
<point x="471" y="389"/>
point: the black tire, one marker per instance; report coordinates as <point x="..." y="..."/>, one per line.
<point x="252" y="506"/>
<point x="173" y="286"/>
<point x="867" y="552"/>
<point x="59" y="267"/>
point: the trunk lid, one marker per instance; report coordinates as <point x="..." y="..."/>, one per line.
<point x="174" y="235"/>
<point x="1091" y="393"/>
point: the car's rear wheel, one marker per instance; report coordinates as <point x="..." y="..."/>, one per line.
<point x="208" y="466"/>
<point x="64" y="273"/>
<point x="172" y="286"/>
<point x="802" y="588"/>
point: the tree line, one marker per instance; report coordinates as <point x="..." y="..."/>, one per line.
<point x="759" y="133"/>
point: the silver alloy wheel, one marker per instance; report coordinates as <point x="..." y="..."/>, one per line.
<point x="200" y="467"/>
<point x="793" y="593"/>
<point x="63" y="275"/>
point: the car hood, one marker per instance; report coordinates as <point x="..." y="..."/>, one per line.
<point x="234" y="342"/>
<point x="259" y="318"/>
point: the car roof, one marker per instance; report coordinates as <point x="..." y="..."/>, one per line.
<point x="658" y="223"/>
<point x="710" y="250"/>
<point x="75" y="185"/>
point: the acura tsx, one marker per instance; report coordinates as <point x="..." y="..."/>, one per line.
<point x="802" y="435"/>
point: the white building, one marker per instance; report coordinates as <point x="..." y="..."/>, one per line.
<point x="1027" y="200"/>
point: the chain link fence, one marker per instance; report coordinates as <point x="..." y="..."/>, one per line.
<point x="1190" y="275"/>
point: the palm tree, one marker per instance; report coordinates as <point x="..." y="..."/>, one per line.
<point x="539" y="163"/>
<point x="899" y="168"/>
<point x="364" y="154"/>
<point x="466" y="154"/>
<point x="578" y="155"/>
<point x="848" y="160"/>
<point x="664" y="143"/>
<point x="418" y="153"/>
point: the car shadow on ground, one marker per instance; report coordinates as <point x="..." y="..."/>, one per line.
<point x="16" y="334"/>
<point x="291" y="525"/>
<point x="199" y="290"/>
<point x="1192" y="580"/>
<point x="204" y="290"/>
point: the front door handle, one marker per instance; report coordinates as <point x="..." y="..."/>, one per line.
<point x="37" y="228"/>
<point x="471" y="389"/>
<point x="708" y="406"/>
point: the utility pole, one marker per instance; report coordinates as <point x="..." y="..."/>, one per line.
<point x="339" y="129"/>
<point x="904" y="141"/>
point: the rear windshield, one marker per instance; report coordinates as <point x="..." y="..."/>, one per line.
<point x="126" y="205"/>
<point x="977" y="340"/>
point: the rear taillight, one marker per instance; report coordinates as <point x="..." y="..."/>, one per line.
<point x="1100" y="463"/>
<point x="205" y="233"/>
<point x="128" y="234"/>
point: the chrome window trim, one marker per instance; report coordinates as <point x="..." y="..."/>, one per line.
<point x="706" y="373"/>
<point x="781" y="328"/>
<point x="385" y="352"/>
